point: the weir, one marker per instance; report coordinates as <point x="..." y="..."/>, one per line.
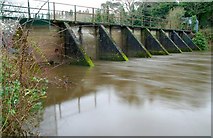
<point x="85" y="43"/>
<point x="85" y="38"/>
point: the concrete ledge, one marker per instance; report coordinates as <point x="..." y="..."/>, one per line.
<point x="74" y="50"/>
<point x="189" y="41"/>
<point x="107" y="47"/>
<point x="152" y="44"/>
<point x="167" y="43"/>
<point x="179" y="42"/>
<point x="134" y="47"/>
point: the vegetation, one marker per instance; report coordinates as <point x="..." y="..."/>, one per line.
<point x="174" y="18"/>
<point x="165" y="14"/>
<point x="22" y="86"/>
<point x="103" y="16"/>
<point x="200" y="41"/>
<point x="208" y="33"/>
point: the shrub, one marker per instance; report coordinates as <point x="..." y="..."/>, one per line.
<point x="22" y="85"/>
<point x="173" y="18"/>
<point x="207" y="32"/>
<point x="200" y="41"/>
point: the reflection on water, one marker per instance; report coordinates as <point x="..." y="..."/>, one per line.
<point x="164" y="95"/>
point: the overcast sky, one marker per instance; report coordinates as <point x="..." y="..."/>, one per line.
<point x="88" y="3"/>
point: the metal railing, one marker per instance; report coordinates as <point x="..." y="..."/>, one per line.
<point x="68" y="12"/>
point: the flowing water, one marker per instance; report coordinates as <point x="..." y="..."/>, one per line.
<point x="162" y="95"/>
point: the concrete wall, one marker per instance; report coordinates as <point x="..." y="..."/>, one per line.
<point x="134" y="47"/>
<point x="153" y="32"/>
<point x="88" y="39"/>
<point x="108" y="50"/>
<point x="137" y="33"/>
<point x="74" y="48"/>
<point x="48" y="44"/>
<point x="116" y="34"/>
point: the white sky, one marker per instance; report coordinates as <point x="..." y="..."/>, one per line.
<point x="88" y="3"/>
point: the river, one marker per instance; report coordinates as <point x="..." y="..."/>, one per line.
<point x="158" y="96"/>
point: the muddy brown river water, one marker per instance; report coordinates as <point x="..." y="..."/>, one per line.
<point x="158" y="96"/>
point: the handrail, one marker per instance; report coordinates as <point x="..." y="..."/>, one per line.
<point x="90" y="14"/>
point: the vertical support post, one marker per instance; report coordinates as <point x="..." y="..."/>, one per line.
<point x="1" y="13"/>
<point x="110" y="30"/>
<point x="132" y="21"/>
<point x="1" y="37"/>
<point x="121" y="22"/>
<point x="102" y="18"/>
<point x="48" y="4"/>
<point x="108" y="14"/>
<point x="93" y="15"/>
<point x="80" y="35"/>
<point x="54" y="10"/>
<point x="75" y="14"/>
<point x="150" y="22"/>
<point x="28" y="4"/>
<point x="97" y="42"/>
<point x="141" y="21"/>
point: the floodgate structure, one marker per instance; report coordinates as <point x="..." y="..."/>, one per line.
<point x="63" y="32"/>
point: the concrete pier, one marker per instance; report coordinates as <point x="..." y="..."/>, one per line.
<point x="167" y="43"/>
<point x="179" y="42"/>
